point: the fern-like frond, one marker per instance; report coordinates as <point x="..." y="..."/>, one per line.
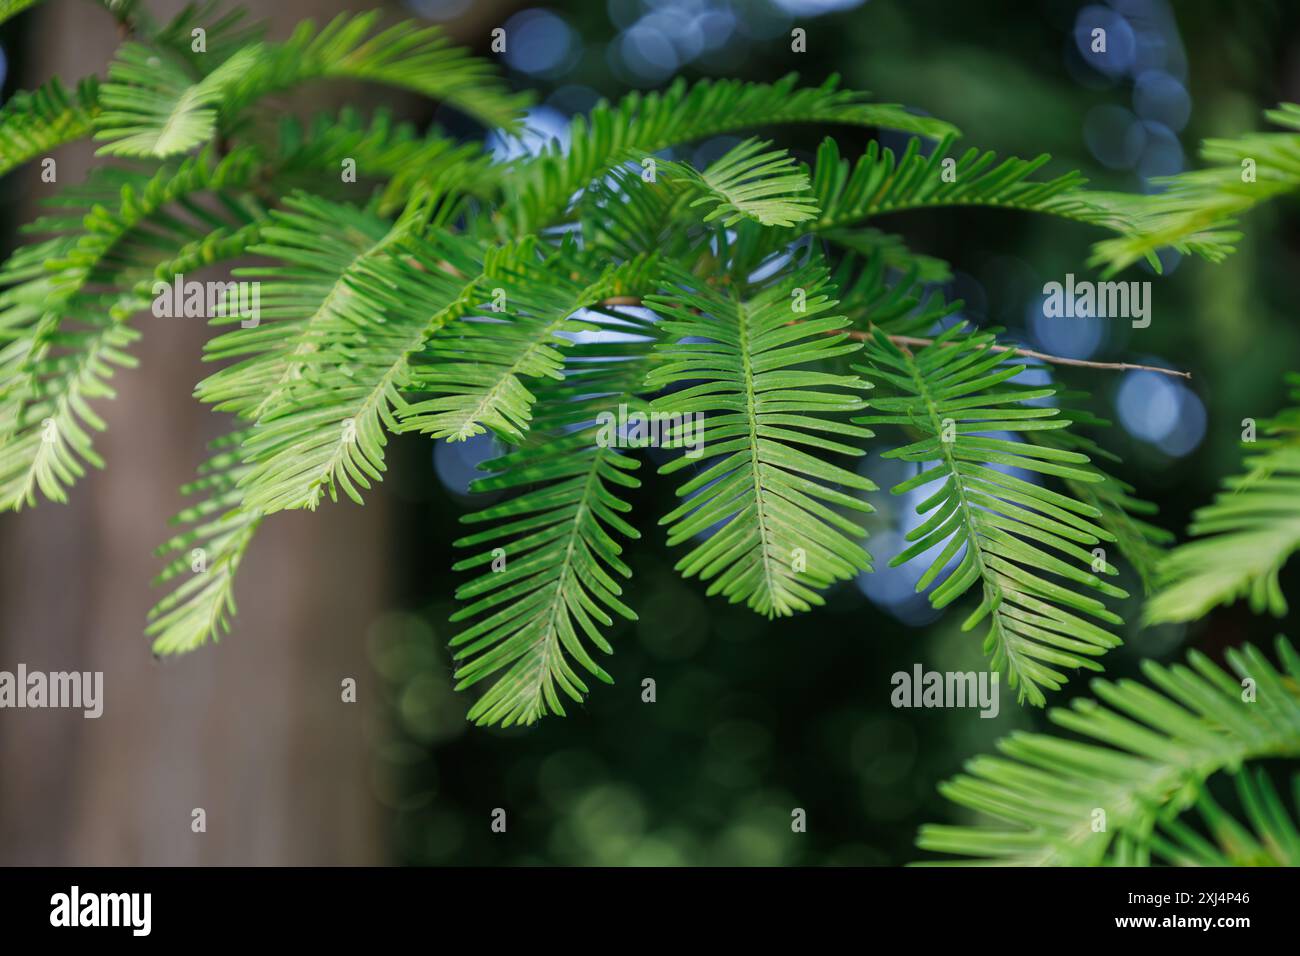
<point x="751" y="181"/>
<point x="1143" y="544"/>
<point x="1196" y="210"/>
<point x="60" y="342"/>
<point x="1024" y="543"/>
<point x="1243" y="539"/>
<point x="1123" y="514"/>
<point x="767" y="508"/>
<point x="26" y="325"/>
<point x="539" y="190"/>
<point x="383" y="151"/>
<point x="119" y="218"/>
<point x="626" y="216"/>
<point x="46" y="421"/>
<point x="549" y="559"/>
<point x="476" y="368"/>
<point x="160" y="102"/>
<point x="407" y="55"/>
<point x="225" y="32"/>
<point x="222" y="244"/>
<point x="875" y="294"/>
<point x="32" y="124"/>
<point x="320" y="246"/>
<point x="880" y="182"/>
<point x="1146" y="755"/>
<point x="337" y="374"/>
<point x="556" y="581"/>
<point x="1269" y="836"/>
<point x="153" y="107"/>
<point x="204" y="558"/>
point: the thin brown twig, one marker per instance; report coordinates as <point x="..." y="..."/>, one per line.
<point x="903" y="341"/>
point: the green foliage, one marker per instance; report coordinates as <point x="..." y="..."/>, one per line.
<point x="1242" y="540"/>
<point x="475" y="369"/>
<point x="1121" y="513"/>
<point x="32" y="124"/>
<point x="449" y="295"/>
<point x="539" y="191"/>
<point x="1269" y="837"/>
<point x="205" y="556"/>
<point x="780" y="538"/>
<point x="150" y="107"/>
<point x="11" y="8"/>
<point x="385" y="152"/>
<point x="559" y="584"/>
<point x="322" y="390"/>
<point x="880" y="183"/>
<point x="549" y="558"/>
<point x="1147" y="754"/>
<point x="1196" y="210"/>
<point x="59" y="341"/>
<point x="1026" y="545"/>
<point x="45" y="415"/>
<point x="420" y="59"/>
<point x="751" y="183"/>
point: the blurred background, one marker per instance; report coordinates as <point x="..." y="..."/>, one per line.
<point x="752" y="719"/>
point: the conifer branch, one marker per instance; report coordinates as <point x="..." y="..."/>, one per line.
<point x="432" y="289"/>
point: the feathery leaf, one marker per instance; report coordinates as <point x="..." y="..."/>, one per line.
<point x="550" y="558"/>
<point x="539" y="190"/>
<point x="59" y="342"/>
<point x="323" y="390"/>
<point x="151" y="106"/>
<point x="751" y="182"/>
<point x="1242" y="540"/>
<point x="475" y="367"/>
<point x="1196" y="210"/>
<point x="1147" y="754"/>
<point x="406" y="55"/>
<point x="881" y="182"/>
<point x="1024" y="543"/>
<point x="35" y="123"/>
<point x="205" y="556"/>
<point x="773" y="538"/>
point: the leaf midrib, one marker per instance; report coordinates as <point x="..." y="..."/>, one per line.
<point x="751" y="414"/>
<point x="963" y="505"/>
<point x="307" y="344"/>
<point x="393" y="373"/>
<point x="547" y="640"/>
<point x="474" y="416"/>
